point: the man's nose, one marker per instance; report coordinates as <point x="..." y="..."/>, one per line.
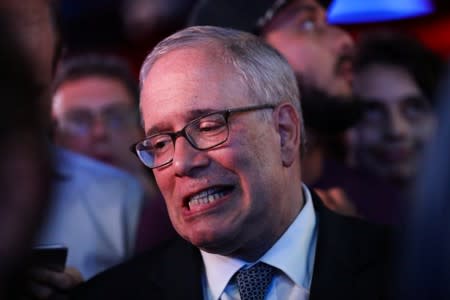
<point x="99" y="128"/>
<point x="187" y="159"/>
<point x="397" y="126"/>
<point x="339" y="41"/>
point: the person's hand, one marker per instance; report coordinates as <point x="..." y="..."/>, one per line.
<point x="44" y="282"/>
<point x="336" y="199"/>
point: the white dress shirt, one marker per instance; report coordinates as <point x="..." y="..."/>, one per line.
<point x="94" y="212"/>
<point x="293" y="254"/>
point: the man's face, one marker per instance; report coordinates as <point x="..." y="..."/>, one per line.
<point x="318" y="53"/>
<point x="240" y="177"/>
<point x="96" y="116"/>
<point x="397" y="122"/>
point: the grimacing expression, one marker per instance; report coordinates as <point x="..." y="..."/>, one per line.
<point x="96" y="116"/>
<point x="240" y="176"/>
<point x="318" y="53"/>
<point x="397" y="123"/>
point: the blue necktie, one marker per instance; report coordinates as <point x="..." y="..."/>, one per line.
<point x="253" y="282"/>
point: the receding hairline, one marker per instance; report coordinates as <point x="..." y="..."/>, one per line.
<point x="213" y="51"/>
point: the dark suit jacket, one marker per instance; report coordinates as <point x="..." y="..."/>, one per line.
<point x="352" y="261"/>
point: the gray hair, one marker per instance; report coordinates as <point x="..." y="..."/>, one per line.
<point x="260" y="68"/>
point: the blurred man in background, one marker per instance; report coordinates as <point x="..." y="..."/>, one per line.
<point x="396" y="78"/>
<point x="321" y="57"/>
<point x="95" y="112"/>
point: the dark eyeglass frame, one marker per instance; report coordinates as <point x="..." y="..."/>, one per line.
<point x="182" y="132"/>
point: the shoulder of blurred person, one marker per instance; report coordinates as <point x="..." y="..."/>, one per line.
<point x="93" y="204"/>
<point x="425" y="251"/>
<point x="68" y="162"/>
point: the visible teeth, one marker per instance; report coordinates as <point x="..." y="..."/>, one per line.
<point x="205" y="197"/>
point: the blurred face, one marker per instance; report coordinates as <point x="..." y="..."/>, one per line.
<point x="25" y="160"/>
<point x="96" y="116"/>
<point x="228" y="199"/>
<point x="397" y="123"/>
<point x="318" y="53"/>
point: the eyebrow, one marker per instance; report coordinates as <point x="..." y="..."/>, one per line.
<point x="297" y="8"/>
<point x="166" y="126"/>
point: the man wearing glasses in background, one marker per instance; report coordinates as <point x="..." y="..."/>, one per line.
<point x="95" y="111"/>
<point x="224" y="134"/>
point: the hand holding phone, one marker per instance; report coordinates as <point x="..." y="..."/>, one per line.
<point x="52" y="257"/>
<point x="49" y="275"/>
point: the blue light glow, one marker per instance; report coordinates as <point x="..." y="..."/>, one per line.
<point x="368" y="11"/>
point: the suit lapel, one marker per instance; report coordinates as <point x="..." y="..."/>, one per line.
<point x="177" y="274"/>
<point x="344" y="250"/>
<point x="346" y="247"/>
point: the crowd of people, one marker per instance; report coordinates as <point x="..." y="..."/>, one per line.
<point x="262" y="153"/>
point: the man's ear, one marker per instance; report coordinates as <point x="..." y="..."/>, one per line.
<point x="288" y="126"/>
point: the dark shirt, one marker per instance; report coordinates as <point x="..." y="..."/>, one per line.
<point x="375" y="200"/>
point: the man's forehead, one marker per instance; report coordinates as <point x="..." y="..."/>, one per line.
<point x="173" y="96"/>
<point x="293" y="10"/>
<point x="200" y="53"/>
<point x="300" y="4"/>
<point x="188" y="71"/>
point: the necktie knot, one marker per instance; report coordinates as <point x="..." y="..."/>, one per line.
<point x="253" y="282"/>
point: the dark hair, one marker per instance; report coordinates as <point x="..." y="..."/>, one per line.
<point x="93" y="64"/>
<point x="403" y="51"/>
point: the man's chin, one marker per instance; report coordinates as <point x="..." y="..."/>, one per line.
<point x="402" y="176"/>
<point x="211" y="241"/>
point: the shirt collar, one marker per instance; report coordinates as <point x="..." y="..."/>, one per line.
<point x="293" y="253"/>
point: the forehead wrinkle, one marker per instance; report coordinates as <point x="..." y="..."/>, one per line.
<point x="195" y="63"/>
<point x="180" y="77"/>
<point x="371" y="83"/>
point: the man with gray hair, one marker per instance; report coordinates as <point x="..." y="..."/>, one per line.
<point x="223" y="136"/>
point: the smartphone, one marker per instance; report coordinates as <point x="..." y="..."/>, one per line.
<point x="52" y="257"/>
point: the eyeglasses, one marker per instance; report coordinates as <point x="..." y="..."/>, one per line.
<point x="203" y="133"/>
<point x="81" y="122"/>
